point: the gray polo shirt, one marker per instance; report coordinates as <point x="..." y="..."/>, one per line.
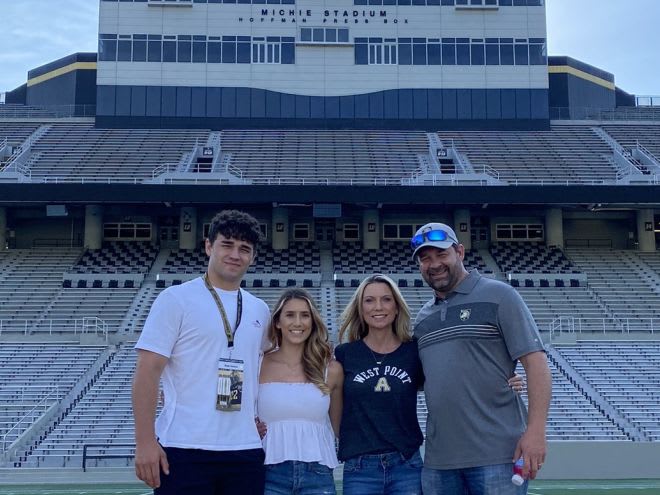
<point x="469" y="344"/>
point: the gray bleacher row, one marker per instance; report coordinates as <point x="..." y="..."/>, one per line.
<point x="622" y="292"/>
<point x="625" y="373"/>
<point x="567" y="153"/>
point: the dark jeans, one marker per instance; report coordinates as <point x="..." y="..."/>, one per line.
<point x="299" y="478"/>
<point x="383" y="474"/>
<point x="482" y="480"/>
<point x="208" y="472"/>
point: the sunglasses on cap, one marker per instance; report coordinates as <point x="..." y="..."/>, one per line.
<point x="431" y="236"/>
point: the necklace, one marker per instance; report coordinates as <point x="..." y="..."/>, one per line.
<point x="382" y="356"/>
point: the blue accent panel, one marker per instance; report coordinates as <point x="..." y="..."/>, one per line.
<point x="523" y="104"/>
<point x="168" y="101"/>
<point x="405" y="104"/>
<point x="138" y="101"/>
<point x="183" y="101"/>
<point x="361" y="106"/>
<point x="198" y="102"/>
<point x="258" y="103"/>
<point x="213" y="102"/>
<point x="153" y="101"/>
<point x="273" y="108"/>
<point x="229" y="102"/>
<point x="332" y="107"/>
<point x="317" y="107"/>
<point x="420" y="104"/>
<point x="347" y="107"/>
<point x="376" y="105"/>
<point x="479" y="104"/>
<point x="464" y="104"/>
<point x="435" y="103"/>
<point x="302" y="107"/>
<point x="288" y="106"/>
<point x="123" y="100"/>
<point x="539" y="98"/>
<point x="243" y="102"/>
<point x="493" y="104"/>
<point x="105" y="100"/>
<point x="246" y="107"/>
<point x="448" y="103"/>
<point x="391" y="104"/>
<point x="508" y="103"/>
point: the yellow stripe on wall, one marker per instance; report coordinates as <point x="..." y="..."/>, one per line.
<point x="565" y="69"/>
<point x="61" y="71"/>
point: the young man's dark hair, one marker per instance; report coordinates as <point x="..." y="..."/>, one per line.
<point x="237" y="225"/>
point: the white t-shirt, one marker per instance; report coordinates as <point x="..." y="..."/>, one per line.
<point x="185" y="325"/>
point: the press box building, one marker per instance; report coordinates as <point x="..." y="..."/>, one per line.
<point x="342" y="63"/>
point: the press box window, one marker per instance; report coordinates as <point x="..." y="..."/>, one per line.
<point x="324" y="36"/>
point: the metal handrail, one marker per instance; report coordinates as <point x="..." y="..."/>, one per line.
<point x="29" y="414"/>
<point x="571" y="324"/>
<point x="84" y="325"/>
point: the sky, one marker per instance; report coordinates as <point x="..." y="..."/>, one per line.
<point x="619" y="36"/>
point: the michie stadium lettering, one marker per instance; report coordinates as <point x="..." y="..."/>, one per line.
<point x="333" y="16"/>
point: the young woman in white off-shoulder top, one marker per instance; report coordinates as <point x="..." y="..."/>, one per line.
<point x="300" y="400"/>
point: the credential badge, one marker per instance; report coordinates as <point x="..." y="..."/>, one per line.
<point x="465" y="314"/>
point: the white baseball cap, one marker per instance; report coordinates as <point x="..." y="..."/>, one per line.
<point x="433" y="234"/>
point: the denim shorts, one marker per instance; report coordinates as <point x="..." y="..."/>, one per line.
<point x="482" y="480"/>
<point x="383" y="474"/>
<point x="299" y="478"/>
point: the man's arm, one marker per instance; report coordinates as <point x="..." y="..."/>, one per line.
<point x="149" y="455"/>
<point x="532" y="445"/>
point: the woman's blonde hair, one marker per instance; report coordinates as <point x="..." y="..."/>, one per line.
<point x="352" y="318"/>
<point x="316" y="352"/>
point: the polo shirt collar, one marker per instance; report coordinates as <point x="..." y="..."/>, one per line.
<point x="465" y="286"/>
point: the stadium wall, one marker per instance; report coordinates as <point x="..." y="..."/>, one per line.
<point x="68" y="81"/>
<point x="17" y="96"/>
<point x="576" y="86"/>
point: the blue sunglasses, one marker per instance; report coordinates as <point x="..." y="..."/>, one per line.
<point x="431" y="235"/>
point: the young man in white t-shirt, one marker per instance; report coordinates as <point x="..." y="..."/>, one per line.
<point x="203" y="340"/>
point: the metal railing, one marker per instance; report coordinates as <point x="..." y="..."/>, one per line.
<point x="51" y="111"/>
<point x="639" y="113"/>
<point x="104" y="447"/>
<point x="33" y="414"/>
<point x="571" y="324"/>
<point x="86" y="325"/>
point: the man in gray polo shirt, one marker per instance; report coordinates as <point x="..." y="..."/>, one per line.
<point x="470" y="335"/>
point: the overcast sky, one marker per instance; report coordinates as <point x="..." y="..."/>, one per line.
<point x="619" y="36"/>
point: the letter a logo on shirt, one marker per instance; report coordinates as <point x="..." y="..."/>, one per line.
<point x="382" y="385"/>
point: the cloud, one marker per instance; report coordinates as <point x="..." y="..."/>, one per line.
<point x="36" y="32"/>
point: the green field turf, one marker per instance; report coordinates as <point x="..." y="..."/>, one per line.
<point x="630" y="487"/>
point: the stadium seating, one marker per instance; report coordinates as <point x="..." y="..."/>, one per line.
<point x="118" y="257"/>
<point x="628" y="135"/>
<point x="568" y="153"/>
<point x="79" y="151"/>
<point x="530" y="257"/>
<point x="621" y="286"/>
<point x="627" y="374"/>
<point x="324" y="157"/>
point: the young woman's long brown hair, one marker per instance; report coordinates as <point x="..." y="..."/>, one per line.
<point x="317" y="352"/>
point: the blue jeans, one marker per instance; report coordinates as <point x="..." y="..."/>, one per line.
<point x="383" y="474"/>
<point x="481" y="480"/>
<point x="299" y="478"/>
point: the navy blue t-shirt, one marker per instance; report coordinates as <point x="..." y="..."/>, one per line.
<point x="380" y="400"/>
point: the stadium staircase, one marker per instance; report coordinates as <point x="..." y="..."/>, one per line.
<point x="633" y="165"/>
<point x="19" y="166"/>
<point x="65" y="368"/>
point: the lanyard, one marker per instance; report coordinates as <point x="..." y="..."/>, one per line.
<point x="221" y="308"/>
